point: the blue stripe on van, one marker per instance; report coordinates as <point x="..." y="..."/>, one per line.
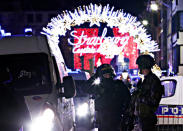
<point x="165" y="110"/>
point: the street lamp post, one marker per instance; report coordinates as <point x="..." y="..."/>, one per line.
<point x="166" y="56"/>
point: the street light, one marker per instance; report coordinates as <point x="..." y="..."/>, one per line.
<point x="145" y="22"/>
<point x="164" y="6"/>
<point x="154" y="6"/>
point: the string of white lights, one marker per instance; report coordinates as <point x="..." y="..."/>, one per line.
<point x="96" y="14"/>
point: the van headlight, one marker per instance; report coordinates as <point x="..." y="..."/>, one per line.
<point x="82" y="110"/>
<point x="44" y="122"/>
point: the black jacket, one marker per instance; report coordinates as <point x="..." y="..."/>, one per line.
<point x="147" y="96"/>
<point x="110" y="95"/>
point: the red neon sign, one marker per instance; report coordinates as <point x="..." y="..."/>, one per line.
<point x="87" y="43"/>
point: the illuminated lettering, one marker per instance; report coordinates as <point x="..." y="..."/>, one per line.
<point x="80" y="38"/>
<point x="85" y="50"/>
<point x="103" y="34"/>
<point x="93" y="41"/>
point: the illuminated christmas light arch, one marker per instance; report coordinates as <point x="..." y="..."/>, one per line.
<point x="96" y="14"/>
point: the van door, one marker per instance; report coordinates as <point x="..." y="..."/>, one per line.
<point x="170" y="111"/>
<point x="65" y="106"/>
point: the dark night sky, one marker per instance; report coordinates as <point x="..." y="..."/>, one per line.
<point x="133" y="7"/>
<point x="130" y="6"/>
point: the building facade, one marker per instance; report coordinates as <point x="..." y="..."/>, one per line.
<point x="171" y="35"/>
<point x="177" y="36"/>
<point x="16" y="21"/>
<point x="166" y="28"/>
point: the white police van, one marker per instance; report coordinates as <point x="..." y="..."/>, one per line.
<point x="38" y="72"/>
<point x="170" y="111"/>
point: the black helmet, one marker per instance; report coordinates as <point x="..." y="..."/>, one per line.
<point x="105" y="68"/>
<point x="145" y="62"/>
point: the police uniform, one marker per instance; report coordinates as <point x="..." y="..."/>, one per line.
<point x="111" y="100"/>
<point x="147" y="96"/>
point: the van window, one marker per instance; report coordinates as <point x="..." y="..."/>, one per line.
<point x="26" y="72"/>
<point x="169" y="87"/>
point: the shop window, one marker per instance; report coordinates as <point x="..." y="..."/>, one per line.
<point x="174" y="24"/>
<point x="176" y="60"/>
<point x="181" y="21"/>
<point x="181" y="55"/>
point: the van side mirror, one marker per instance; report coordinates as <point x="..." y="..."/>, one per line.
<point x="69" y="87"/>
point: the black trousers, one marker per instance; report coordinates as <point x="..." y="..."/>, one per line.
<point x="109" y="121"/>
<point x="147" y="123"/>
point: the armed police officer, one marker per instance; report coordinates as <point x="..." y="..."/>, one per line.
<point x="111" y="97"/>
<point x="147" y="96"/>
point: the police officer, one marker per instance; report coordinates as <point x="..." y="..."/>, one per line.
<point x="111" y="97"/>
<point x="147" y="96"/>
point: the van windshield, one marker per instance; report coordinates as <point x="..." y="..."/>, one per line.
<point x="28" y="73"/>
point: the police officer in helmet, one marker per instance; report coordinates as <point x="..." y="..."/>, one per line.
<point x="146" y="98"/>
<point x="111" y="97"/>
